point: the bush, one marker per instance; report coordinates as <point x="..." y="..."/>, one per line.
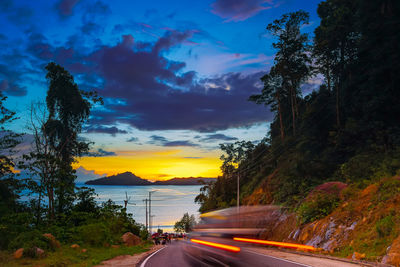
<point x="317" y="207"/>
<point x="29" y="240"/>
<point x="384" y="226"/>
<point x="95" y="234"/>
<point x="387" y="189"/>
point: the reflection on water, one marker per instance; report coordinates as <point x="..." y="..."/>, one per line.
<point x="168" y="202"/>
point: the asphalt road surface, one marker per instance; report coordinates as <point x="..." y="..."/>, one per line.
<point x="172" y="255"/>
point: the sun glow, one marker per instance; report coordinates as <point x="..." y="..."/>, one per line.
<point x="153" y="165"/>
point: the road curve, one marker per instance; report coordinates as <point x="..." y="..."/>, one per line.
<point x="172" y="255"/>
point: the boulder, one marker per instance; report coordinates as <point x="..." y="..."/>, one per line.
<point x="18" y="253"/>
<point x="39" y="253"/>
<point x="393" y="255"/>
<point x="52" y="240"/>
<point x="130" y="239"/>
<point x="75" y="246"/>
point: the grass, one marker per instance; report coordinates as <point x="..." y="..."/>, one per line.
<point x="66" y="256"/>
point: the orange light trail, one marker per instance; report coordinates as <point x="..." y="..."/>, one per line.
<point x="216" y="245"/>
<point x="274" y="243"/>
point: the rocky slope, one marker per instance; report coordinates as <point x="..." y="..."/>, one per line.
<point x="365" y="224"/>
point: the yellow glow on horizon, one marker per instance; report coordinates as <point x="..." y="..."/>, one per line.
<point x="153" y="165"/>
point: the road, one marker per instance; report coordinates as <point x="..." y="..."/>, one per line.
<point x="172" y="255"/>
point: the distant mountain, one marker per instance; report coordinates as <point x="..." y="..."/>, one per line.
<point x="126" y="178"/>
<point x="185" y="181"/>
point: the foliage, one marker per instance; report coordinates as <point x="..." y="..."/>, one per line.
<point x="345" y="130"/>
<point x="320" y="205"/>
<point x="186" y="224"/>
<point x="29" y="240"/>
<point x="384" y="226"/>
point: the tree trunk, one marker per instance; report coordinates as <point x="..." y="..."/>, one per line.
<point x="293" y="112"/>
<point x="280" y="117"/>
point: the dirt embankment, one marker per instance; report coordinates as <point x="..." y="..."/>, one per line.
<point x="365" y="225"/>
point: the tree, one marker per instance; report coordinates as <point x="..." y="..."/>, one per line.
<point x="273" y="94"/>
<point x="9" y="186"/>
<point x="292" y="61"/>
<point x="335" y="44"/>
<point x="69" y="109"/>
<point x="186" y="224"/>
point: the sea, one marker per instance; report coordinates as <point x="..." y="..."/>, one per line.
<point x="168" y="202"/>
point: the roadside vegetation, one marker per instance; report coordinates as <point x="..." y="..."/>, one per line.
<point x="345" y="129"/>
<point x="42" y="212"/>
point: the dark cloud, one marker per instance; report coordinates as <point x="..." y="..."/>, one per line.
<point x="12" y="89"/>
<point x="159" y="95"/>
<point x="239" y="10"/>
<point x="93" y="18"/>
<point x="66" y="7"/>
<point x="192" y="157"/>
<point x="162" y="141"/>
<point x="133" y="139"/>
<point x="217" y="137"/>
<point x="108" y="130"/>
<point x="180" y="143"/>
<point x="101" y="153"/>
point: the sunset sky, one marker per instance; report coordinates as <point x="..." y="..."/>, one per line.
<point x="175" y="75"/>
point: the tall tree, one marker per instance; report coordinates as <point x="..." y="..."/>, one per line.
<point x="292" y="60"/>
<point x="69" y="109"/>
<point x="273" y="94"/>
<point x="335" y="44"/>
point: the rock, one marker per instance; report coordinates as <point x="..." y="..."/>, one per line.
<point x="393" y="255"/>
<point x="84" y="250"/>
<point x="39" y="252"/>
<point x="18" y="253"/>
<point x="53" y="241"/>
<point x="75" y="246"/>
<point x="115" y="246"/>
<point x="358" y="256"/>
<point x="130" y="239"/>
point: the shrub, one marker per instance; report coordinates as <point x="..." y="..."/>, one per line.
<point x="29" y="240"/>
<point x="317" y="207"/>
<point x="387" y="189"/>
<point x="95" y="234"/>
<point x="384" y="226"/>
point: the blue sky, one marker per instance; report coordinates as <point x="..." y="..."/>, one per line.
<point x="175" y="75"/>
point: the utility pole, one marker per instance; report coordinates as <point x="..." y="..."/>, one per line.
<point x="147" y="225"/>
<point x="238" y="190"/>
<point x="150" y="217"/>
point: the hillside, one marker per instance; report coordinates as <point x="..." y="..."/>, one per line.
<point x="364" y="224"/>
<point x="185" y="181"/>
<point x="126" y="178"/>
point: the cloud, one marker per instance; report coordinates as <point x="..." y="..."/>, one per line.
<point x="65" y="7"/>
<point x="133" y="139"/>
<point x="239" y="10"/>
<point x="218" y="137"/>
<point x="12" y="89"/>
<point x="107" y="130"/>
<point x="160" y="95"/>
<point x="162" y="141"/>
<point x="148" y="91"/>
<point x="101" y="153"/>
<point x="180" y="143"/>
<point x="192" y="157"/>
<point x="84" y="175"/>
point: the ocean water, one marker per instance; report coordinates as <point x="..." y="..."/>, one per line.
<point x="168" y="202"/>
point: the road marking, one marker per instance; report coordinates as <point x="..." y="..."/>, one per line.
<point x="300" y="264"/>
<point x="154" y="253"/>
